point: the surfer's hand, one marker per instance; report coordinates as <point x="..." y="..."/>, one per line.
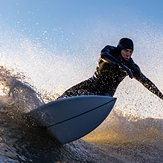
<point x="127" y="70"/>
<point x="130" y="73"/>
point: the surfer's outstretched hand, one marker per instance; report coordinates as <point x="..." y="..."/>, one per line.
<point x="127" y="70"/>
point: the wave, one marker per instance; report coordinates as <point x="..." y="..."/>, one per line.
<point x="130" y="139"/>
<point x="120" y="129"/>
<point x="119" y="139"/>
<point x="22" y="141"/>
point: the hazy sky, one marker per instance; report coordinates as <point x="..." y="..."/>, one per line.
<point x="81" y="26"/>
<point x="41" y="19"/>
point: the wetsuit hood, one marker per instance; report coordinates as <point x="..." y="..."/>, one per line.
<point x="125" y="43"/>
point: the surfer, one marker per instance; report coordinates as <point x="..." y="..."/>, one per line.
<point x="114" y="65"/>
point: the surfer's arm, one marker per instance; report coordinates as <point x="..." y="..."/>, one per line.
<point x="108" y="57"/>
<point x="148" y="84"/>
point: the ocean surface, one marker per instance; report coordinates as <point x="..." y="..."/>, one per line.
<point x="119" y="139"/>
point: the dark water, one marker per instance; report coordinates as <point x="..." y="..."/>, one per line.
<point x="23" y="143"/>
<point x="117" y="140"/>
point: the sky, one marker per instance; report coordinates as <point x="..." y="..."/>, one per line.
<point x="57" y="20"/>
<point x="80" y="27"/>
<point x="77" y="27"/>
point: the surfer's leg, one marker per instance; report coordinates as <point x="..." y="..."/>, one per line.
<point x="83" y="88"/>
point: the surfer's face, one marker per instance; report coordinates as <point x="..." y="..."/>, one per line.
<point x="126" y="54"/>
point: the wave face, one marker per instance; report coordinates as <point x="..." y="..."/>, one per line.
<point x="23" y="141"/>
<point x="119" y="139"/>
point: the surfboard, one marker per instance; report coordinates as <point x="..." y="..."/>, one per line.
<point x="71" y="118"/>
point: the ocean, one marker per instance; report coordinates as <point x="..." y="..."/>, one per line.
<point x="120" y="138"/>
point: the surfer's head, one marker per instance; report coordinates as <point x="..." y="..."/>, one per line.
<point x="126" y="47"/>
<point x="125" y="43"/>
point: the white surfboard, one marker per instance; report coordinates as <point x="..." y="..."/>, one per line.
<point x="71" y="118"/>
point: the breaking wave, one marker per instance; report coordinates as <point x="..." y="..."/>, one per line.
<point x="120" y="138"/>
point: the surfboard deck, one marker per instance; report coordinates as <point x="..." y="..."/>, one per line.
<point x="71" y="118"/>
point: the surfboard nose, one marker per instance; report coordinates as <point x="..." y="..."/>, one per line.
<point x="81" y="124"/>
<point x="71" y="118"/>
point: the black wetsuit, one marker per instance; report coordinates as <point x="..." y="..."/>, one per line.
<point x="111" y="70"/>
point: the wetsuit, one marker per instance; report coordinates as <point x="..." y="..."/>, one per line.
<point x="111" y="70"/>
